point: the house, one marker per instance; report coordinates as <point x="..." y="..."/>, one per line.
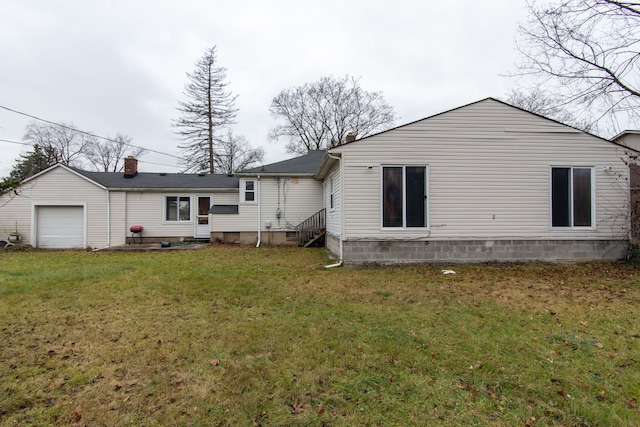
<point x="63" y="207"/>
<point x="631" y="140"/>
<point x="272" y="202"/>
<point x="482" y="182"/>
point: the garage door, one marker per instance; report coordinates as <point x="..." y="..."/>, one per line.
<point x="60" y="227"/>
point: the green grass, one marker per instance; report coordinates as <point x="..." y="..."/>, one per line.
<point x="245" y="336"/>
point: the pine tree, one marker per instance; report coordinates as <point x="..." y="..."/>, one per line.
<point x="210" y="108"/>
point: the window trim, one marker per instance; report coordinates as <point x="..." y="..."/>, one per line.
<point x="592" y="184"/>
<point x="244" y="192"/>
<point x="404" y="227"/>
<point x="177" y="221"/>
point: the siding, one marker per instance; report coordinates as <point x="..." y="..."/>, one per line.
<point x="147" y="209"/>
<point x="53" y="188"/>
<point x="118" y="217"/>
<point x="297" y="197"/>
<point x="333" y="215"/>
<point x="489" y="169"/>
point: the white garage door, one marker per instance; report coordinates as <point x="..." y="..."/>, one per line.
<point x="60" y="227"/>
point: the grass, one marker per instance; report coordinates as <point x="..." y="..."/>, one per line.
<point x="246" y="336"/>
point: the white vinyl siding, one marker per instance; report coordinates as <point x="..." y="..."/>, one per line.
<point x="118" y="218"/>
<point x="488" y="176"/>
<point x="148" y="210"/>
<point x="52" y="189"/>
<point x="297" y="198"/>
<point x="333" y="215"/>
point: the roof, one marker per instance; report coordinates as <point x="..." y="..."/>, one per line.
<point x="160" y="180"/>
<point x="303" y="165"/>
<point x="625" y="133"/>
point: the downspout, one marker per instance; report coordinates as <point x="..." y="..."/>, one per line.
<point x="342" y="198"/>
<point x="259" y="219"/>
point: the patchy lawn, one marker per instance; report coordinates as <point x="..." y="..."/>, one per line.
<point x="245" y="336"/>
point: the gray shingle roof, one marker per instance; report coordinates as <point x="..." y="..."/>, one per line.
<point x="169" y="181"/>
<point x="303" y="165"/>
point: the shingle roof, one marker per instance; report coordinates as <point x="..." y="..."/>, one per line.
<point x="303" y="165"/>
<point x="148" y="180"/>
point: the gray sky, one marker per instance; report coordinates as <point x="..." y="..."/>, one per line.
<point x="120" y="66"/>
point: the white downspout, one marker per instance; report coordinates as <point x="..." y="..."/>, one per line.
<point x="259" y="219"/>
<point x="341" y="167"/>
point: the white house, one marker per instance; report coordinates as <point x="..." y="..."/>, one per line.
<point x="483" y="182"/>
<point x="63" y="207"/>
<point x="272" y="202"/>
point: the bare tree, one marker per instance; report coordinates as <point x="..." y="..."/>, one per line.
<point x="547" y="105"/>
<point x="59" y="141"/>
<point x="108" y="155"/>
<point x="319" y="115"/>
<point x="234" y="154"/>
<point x="210" y="108"/>
<point x="588" y="53"/>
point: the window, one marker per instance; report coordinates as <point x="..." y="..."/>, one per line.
<point x="571" y="197"/>
<point x="177" y="208"/>
<point x="331" y="194"/>
<point x="404" y="196"/>
<point x="249" y="191"/>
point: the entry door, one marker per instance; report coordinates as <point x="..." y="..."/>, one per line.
<point x="202" y="220"/>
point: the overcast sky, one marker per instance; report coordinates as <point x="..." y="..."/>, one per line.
<point x="120" y="66"/>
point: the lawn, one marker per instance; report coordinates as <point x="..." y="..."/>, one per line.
<point x="255" y="337"/>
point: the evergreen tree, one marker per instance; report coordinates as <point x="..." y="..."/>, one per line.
<point x="209" y="109"/>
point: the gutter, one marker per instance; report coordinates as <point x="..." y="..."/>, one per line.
<point x="342" y="198"/>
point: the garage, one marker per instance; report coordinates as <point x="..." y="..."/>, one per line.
<point x="60" y="227"/>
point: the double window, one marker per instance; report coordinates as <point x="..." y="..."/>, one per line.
<point x="572" y="197"/>
<point x="404" y="196"/>
<point x="177" y="208"/>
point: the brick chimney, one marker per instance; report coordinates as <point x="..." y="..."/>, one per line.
<point x="350" y="137"/>
<point x="130" y="167"/>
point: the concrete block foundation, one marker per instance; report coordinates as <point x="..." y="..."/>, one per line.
<point x="474" y="251"/>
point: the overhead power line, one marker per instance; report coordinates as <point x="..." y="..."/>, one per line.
<point x="140" y="161"/>
<point x="14" y="142"/>
<point x="158" y="164"/>
<point x="84" y="132"/>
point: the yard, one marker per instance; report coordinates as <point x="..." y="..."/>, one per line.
<point x="243" y="336"/>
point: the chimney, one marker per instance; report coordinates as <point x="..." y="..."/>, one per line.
<point x="350" y="137"/>
<point x="130" y="167"/>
